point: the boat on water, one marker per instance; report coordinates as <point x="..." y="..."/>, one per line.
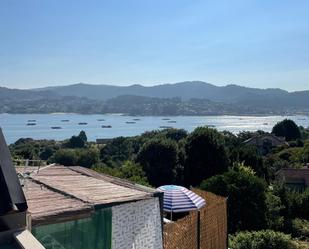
<point x="165" y="127"/>
<point x="31" y="124"/>
<point x="136" y="119"/>
<point x="82" y="123"/>
<point x="130" y="122"/>
<point x="172" y="121"/>
<point x="65" y="120"/>
<point x="106" y="126"/>
<point x="265" y="123"/>
<point x="56" y="127"/>
<point x="100" y="119"/>
<point x="31" y="120"/>
<point x="165" y="119"/>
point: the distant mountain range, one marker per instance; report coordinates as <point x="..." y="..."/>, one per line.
<point x="185" y="90"/>
<point x="190" y="97"/>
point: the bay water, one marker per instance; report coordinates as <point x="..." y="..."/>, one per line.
<point x="63" y="126"/>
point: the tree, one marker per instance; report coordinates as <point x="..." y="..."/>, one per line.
<point x="82" y="135"/>
<point x="47" y="153"/>
<point x="206" y="155"/>
<point x="176" y="134"/>
<point x="118" y="150"/>
<point x="231" y="141"/>
<point x="304" y="132"/>
<point x="305" y="152"/>
<point x="65" y="157"/>
<point x="288" y="129"/>
<point x="87" y="157"/>
<point x="77" y="141"/>
<point x="250" y="156"/>
<point x="158" y="159"/>
<point x="246" y="197"/>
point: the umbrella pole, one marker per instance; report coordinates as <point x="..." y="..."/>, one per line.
<point x="171" y="215"/>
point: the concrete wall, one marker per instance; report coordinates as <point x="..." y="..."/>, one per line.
<point x="137" y="225"/>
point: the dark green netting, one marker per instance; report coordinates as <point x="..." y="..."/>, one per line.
<point x="89" y="233"/>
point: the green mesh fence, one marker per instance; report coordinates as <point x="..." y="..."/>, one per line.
<point x="89" y="233"/>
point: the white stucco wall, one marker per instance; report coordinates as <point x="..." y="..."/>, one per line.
<point x="137" y="225"/>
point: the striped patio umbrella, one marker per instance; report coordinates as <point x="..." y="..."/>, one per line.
<point x="178" y="199"/>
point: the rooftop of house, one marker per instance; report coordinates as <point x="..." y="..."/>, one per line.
<point x="266" y="135"/>
<point x="292" y="174"/>
<point x="59" y="193"/>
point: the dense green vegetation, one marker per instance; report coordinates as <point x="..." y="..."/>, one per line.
<point x="214" y="161"/>
<point x="266" y="239"/>
<point x="246" y="197"/>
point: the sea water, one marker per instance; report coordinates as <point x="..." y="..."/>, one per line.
<point x="63" y="126"/>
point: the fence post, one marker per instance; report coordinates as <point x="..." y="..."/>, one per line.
<point x="198" y="229"/>
<point x="227" y="231"/>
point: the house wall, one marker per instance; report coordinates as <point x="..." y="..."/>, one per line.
<point x="137" y="225"/>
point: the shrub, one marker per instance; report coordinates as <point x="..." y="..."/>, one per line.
<point x="264" y="239"/>
<point x="296" y="203"/>
<point x="66" y="157"/>
<point x="300" y="229"/>
<point x="129" y="170"/>
<point x="72" y="157"/>
<point x="87" y="157"/>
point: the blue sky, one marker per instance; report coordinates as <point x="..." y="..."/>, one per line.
<point x="258" y="43"/>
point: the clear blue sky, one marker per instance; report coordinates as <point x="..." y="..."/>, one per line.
<point x="259" y="43"/>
